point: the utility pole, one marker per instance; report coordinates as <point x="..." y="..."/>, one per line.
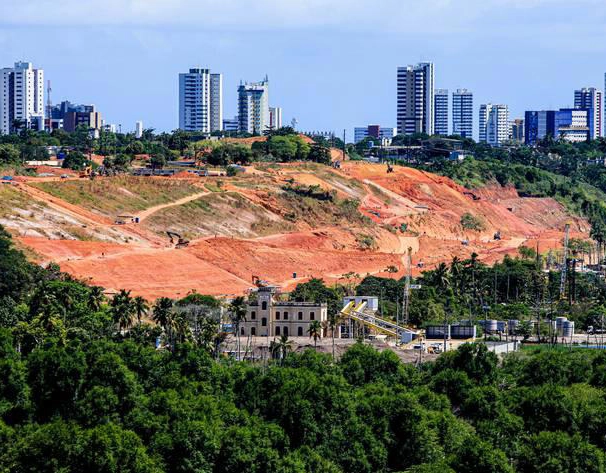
<point x="344" y="145"/>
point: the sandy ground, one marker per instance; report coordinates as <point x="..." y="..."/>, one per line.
<point x="430" y="206"/>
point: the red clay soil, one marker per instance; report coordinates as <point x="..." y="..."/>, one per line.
<point x="431" y="205"/>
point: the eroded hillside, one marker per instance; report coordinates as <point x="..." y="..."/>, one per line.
<point x="283" y="223"/>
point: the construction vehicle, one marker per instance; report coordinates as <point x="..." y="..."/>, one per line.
<point x="86" y="172"/>
<point x="259" y="282"/>
<point x="497" y="236"/>
<point x="180" y="241"/>
<point x="389" y="168"/>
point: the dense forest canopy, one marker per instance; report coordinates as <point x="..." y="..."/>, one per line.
<point x="83" y="388"/>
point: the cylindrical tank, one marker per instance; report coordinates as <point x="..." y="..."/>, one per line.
<point x="568" y="329"/>
<point x="491" y="326"/>
<point x="513" y="325"/>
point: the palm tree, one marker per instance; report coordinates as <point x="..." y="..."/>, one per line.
<point x="280" y="348"/>
<point x="95" y="298"/>
<point x="123" y="309"/>
<point x="162" y="314"/>
<point x="141" y="308"/>
<point x="237" y="314"/>
<point x="315" y="331"/>
<point x="333" y="323"/>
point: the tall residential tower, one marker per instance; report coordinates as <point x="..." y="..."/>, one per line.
<point x="200" y="101"/>
<point x="415" y="99"/>
<point x="441" y="112"/>
<point x="21" y="98"/>
<point x="253" y="107"/>
<point x="462" y="113"/>
<point x="494" y="124"/>
<point x="590" y="99"/>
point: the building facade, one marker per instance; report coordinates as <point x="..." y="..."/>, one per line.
<point x="462" y="113"/>
<point x="570" y="124"/>
<point x="139" y="129"/>
<point x="415" y="101"/>
<point x="590" y="99"/>
<point x="85" y="115"/>
<point x="275" y="118"/>
<point x="516" y="130"/>
<point x="375" y="131"/>
<point x="200" y="101"/>
<point x="494" y="124"/>
<point x="253" y="107"/>
<point x="440" y="108"/>
<point x="230" y="124"/>
<point x="270" y="317"/>
<point x="21" y="98"/>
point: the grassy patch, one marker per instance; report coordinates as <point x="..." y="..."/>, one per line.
<point x="122" y="194"/>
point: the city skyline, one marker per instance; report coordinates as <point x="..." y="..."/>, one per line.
<point x="135" y="40"/>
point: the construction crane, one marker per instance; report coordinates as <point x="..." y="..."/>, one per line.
<point x="180" y="241"/>
<point x="259" y="282"/>
<point x="564" y="261"/>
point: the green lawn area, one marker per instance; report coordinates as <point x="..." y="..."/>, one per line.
<point x="121" y="194"/>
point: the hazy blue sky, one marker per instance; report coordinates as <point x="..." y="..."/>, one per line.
<point x="331" y="63"/>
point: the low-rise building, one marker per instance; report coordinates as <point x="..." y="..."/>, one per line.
<point x="271" y="317"/>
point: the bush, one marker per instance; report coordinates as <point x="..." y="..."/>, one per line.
<point x="471" y="222"/>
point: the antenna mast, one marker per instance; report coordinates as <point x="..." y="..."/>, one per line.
<point x="49" y="106"/>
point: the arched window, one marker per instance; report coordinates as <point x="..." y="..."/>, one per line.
<point x="277" y="330"/>
<point x="300" y="332"/>
<point x="286" y="331"/>
<point x="264" y="322"/>
<point x="253" y="331"/>
<point x="285" y="315"/>
<point x="264" y="305"/>
<point x="242" y="331"/>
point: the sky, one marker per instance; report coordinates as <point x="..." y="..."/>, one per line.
<point x="331" y="63"/>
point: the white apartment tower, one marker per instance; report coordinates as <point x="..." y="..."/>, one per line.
<point x="440" y="109"/>
<point x="139" y="129"/>
<point x="200" y="101"/>
<point x="21" y="97"/>
<point x="590" y="99"/>
<point x="494" y="124"/>
<point x="275" y="118"/>
<point x="253" y="107"/>
<point x="415" y="107"/>
<point x="462" y="113"/>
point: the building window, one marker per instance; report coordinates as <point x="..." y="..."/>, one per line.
<point x="253" y="331"/>
<point x="300" y="315"/>
<point x="300" y="332"/>
<point x="277" y="330"/>
<point x="286" y="331"/>
<point x="312" y="316"/>
<point x="264" y="322"/>
<point x="278" y="315"/>
<point x="264" y="305"/>
<point x="242" y="331"/>
<point x="285" y="315"/>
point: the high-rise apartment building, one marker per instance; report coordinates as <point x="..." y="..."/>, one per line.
<point x="139" y="129"/>
<point x="462" y="113"/>
<point x="21" y="98"/>
<point x="200" y="101"/>
<point x="253" y="107"/>
<point x="275" y="118"/>
<point x="415" y="91"/>
<point x="494" y="124"/>
<point x="440" y="110"/>
<point x="590" y="99"/>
